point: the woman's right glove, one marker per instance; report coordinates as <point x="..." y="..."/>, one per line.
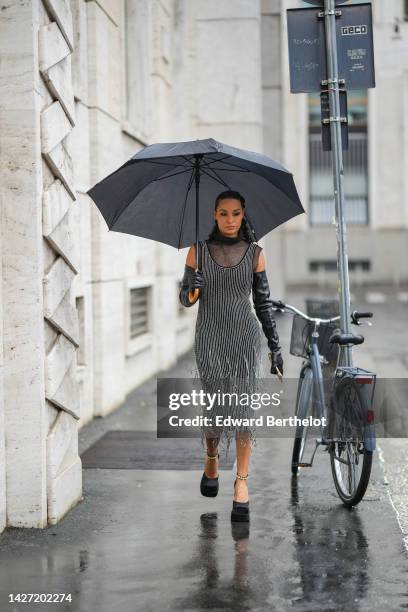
<point x="263" y="308"/>
<point x="191" y="280"/>
<point x="276" y="362"/>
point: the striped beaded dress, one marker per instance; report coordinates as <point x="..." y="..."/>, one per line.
<point x="228" y="344"/>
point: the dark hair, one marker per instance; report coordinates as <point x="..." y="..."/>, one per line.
<point x="244" y="232"/>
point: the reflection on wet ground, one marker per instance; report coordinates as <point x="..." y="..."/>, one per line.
<point x="331" y="557"/>
<point x="147" y="540"/>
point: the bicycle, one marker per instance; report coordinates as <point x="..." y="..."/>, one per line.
<point x="346" y="419"/>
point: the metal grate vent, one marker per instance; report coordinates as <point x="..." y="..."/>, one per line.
<point x="139" y="311"/>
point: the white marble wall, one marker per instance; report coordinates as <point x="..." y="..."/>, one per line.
<point x="388" y="128"/>
<point x="3" y="508"/>
<point x="60" y="255"/>
<point x="228" y="72"/>
<point x="39" y="263"/>
<point x="25" y="414"/>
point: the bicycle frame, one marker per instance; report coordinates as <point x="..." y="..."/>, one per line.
<point x="359" y="374"/>
<point x="315" y="384"/>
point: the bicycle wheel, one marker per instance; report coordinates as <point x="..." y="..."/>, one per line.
<point x="303" y="409"/>
<point x="350" y="461"/>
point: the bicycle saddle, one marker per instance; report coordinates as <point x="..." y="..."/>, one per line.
<point x="340" y="338"/>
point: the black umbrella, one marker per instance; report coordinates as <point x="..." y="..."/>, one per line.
<point x="151" y="195"/>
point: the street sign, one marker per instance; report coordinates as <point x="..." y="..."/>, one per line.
<point x="326" y="128"/>
<point x="346" y="37"/>
<point x="321" y="2"/>
<point x="307" y="48"/>
<point x="307" y="52"/>
<point x="355" y="46"/>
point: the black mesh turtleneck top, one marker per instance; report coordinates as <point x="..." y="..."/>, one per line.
<point x="227" y="251"/>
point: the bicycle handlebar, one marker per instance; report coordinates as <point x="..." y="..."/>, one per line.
<point x="280" y="306"/>
<point x="356" y="315"/>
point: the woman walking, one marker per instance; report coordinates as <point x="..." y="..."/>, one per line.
<point x="228" y="338"/>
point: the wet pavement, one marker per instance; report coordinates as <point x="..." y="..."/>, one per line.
<point x="147" y="540"/>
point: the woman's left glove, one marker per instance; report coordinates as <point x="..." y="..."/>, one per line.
<point x="263" y="308"/>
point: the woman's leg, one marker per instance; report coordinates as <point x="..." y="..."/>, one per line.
<point x="243" y="445"/>
<point x="211" y="465"/>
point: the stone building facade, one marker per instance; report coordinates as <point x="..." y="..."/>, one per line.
<point x="376" y="179"/>
<point x="87" y="315"/>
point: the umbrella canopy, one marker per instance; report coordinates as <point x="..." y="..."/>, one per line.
<point x="155" y="194"/>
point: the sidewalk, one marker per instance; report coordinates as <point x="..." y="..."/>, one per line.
<point x="147" y="540"/>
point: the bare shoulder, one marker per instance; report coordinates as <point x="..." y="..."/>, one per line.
<point x="259" y="259"/>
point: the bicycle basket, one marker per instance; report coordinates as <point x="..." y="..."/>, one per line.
<point x="301" y="338"/>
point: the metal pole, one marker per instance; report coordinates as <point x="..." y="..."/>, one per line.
<point x="338" y="171"/>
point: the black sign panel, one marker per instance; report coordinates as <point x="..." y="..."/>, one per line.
<point x="326" y="128"/>
<point x="355" y="46"/>
<point x="321" y="2"/>
<point x="307" y="48"/>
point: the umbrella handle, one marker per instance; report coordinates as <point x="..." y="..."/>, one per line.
<point x="193" y="295"/>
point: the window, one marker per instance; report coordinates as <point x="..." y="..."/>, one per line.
<point x="355" y="164"/>
<point x="138" y="42"/>
<point x="139" y="311"/>
<point x="330" y="265"/>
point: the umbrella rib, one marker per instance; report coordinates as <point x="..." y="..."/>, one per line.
<point x="120" y="212"/>
<point x="184" y="206"/>
<point x="151" y="161"/>
<point x="160" y="178"/>
<point x="188" y="160"/>
<point x="230" y="169"/>
<point x="246" y="170"/>
<point x="217" y="178"/>
<point x="235" y="166"/>
<point x="280" y="188"/>
<point x="214" y="161"/>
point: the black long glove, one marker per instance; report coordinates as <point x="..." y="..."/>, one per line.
<point x="191" y="280"/>
<point x="264" y="312"/>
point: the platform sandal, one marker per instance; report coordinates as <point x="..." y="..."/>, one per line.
<point x="240" y="510"/>
<point x="209" y="486"/>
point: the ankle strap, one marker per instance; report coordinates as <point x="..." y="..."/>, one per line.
<point x="214" y="457"/>
<point x="242" y="477"/>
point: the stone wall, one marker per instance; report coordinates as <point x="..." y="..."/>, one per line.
<point x="42" y="467"/>
<point x="60" y="256"/>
